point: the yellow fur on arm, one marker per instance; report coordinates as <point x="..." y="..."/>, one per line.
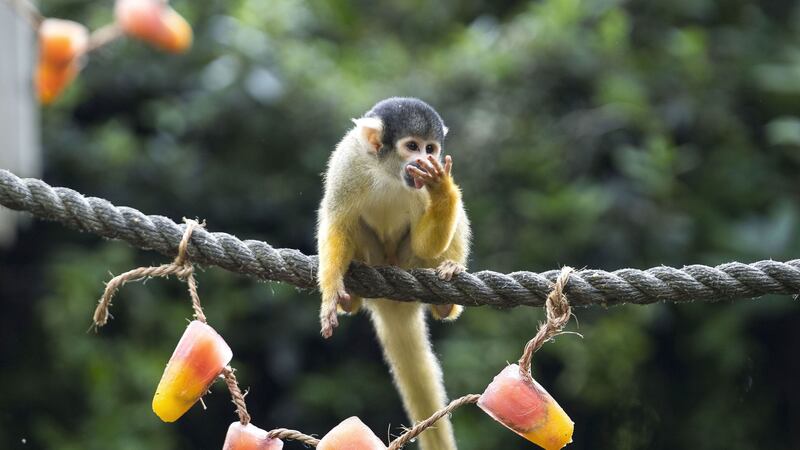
<point x="336" y="250"/>
<point x="435" y="230"/>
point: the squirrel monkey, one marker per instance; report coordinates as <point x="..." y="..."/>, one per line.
<point x="391" y="200"/>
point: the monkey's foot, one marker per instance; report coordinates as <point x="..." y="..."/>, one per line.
<point x="328" y="312"/>
<point x="446" y="312"/>
<point x="350" y="307"/>
<point x="448" y="269"/>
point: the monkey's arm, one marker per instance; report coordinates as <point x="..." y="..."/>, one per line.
<point x="435" y="230"/>
<point x="442" y="235"/>
<point x="336" y="250"/>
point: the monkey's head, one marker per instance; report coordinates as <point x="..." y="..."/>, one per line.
<point x="400" y="130"/>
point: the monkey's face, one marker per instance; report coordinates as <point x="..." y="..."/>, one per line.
<point x="400" y="131"/>
<point x="411" y="149"/>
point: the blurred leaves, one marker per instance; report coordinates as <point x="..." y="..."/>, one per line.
<point x="592" y="133"/>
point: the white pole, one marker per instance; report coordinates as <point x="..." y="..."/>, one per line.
<point x="19" y="112"/>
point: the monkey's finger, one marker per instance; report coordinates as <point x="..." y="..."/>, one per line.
<point x="328" y="323"/>
<point x="436" y="165"/>
<point x="413" y="171"/>
<point x="421" y="174"/>
<point x="448" y="164"/>
<point x="428" y="168"/>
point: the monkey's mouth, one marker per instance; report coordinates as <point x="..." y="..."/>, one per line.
<point x="410" y="180"/>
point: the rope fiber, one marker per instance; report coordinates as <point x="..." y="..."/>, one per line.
<point x="261" y="260"/>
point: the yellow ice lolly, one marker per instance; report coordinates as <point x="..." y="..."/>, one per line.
<point x="351" y="434"/>
<point x="249" y="437"/>
<point x="523" y="406"/>
<point x="200" y="356"/>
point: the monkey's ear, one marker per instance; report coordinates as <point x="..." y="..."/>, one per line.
<point x="371" y="129"/>
<point x="445" y="129"/>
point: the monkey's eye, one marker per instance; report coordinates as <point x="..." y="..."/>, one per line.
<point x="411" y="145"/>
<point x="429" y="148"/>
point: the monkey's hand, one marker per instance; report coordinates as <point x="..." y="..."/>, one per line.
<point x="329" y="310"/>
<point x="434" y="176"/>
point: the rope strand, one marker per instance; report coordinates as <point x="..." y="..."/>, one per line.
<point x="417" y="429"/>
<point x="27" y="11"/>
<point x="557" y="312"/>
<point x="180" y="267"/>
<point x="97" y="39"/>
<point x="293" y="435"/>
<point x="236" y="394"/>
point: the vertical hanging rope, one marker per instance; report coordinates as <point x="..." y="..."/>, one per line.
<point x="557" y="313"/>
<point x="236" y="394"/>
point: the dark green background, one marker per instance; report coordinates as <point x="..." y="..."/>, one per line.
<point x="600" y="134"/>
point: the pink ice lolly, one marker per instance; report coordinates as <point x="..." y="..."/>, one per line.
<point x="526" y="408"/>
<point x="351" y="434"/>
<point x="200" y="356"/>
<point x="249" y="437"/>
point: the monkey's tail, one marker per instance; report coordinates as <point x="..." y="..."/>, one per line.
<point x="403" y="333"/>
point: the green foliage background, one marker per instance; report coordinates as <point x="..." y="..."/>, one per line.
<point x="593" y="133"/>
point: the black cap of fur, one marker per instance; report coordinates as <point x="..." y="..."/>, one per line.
<point x="406" y="116"/>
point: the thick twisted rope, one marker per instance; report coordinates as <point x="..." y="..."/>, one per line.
<point x="259" y="259"/>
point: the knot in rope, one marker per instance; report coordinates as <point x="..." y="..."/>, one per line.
<point x="181" y="267"/>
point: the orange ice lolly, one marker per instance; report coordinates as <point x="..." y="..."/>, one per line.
<point x="200" y="356"/>
<point x="176" y="34"/>
<point x="50" y="80"/>
<point x="527" y="409"/>
<point x="155" y="22"/>
<point x="249" y="437"/>
<point x="61" y="41"/>
<point x="351" y="434"/>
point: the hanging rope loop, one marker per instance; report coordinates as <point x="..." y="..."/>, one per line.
<point x="180" y="267"/>
<point x="557" y="313"/>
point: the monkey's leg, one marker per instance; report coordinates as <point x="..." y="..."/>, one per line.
<point x="403" y="333"/>
<point x="446" y="270"/>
